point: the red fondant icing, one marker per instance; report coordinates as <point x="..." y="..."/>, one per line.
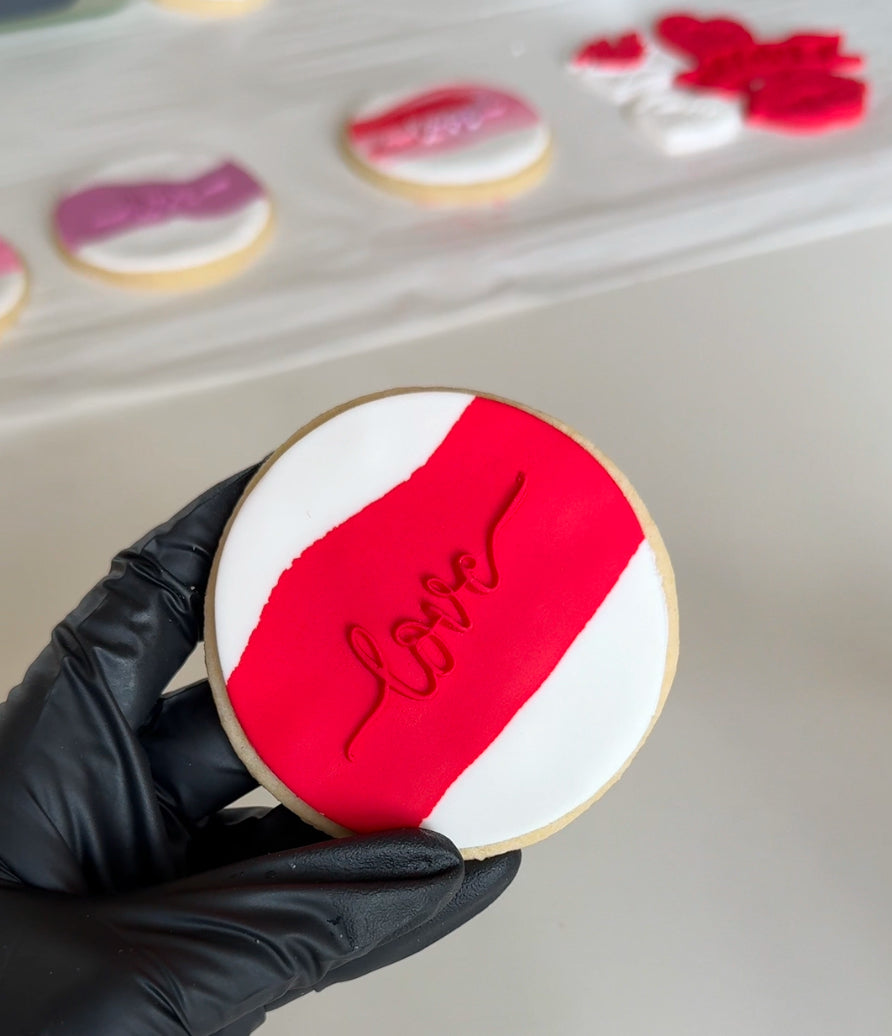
<point x="807" y="101"/>
<point x="620" y="52"/>
<point x="298" y="691"/>
<point x="424" y="645"/>
<point x="439" y="119"/>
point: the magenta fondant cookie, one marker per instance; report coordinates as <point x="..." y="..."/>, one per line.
<point x="439" y="609"/>
<point x="13" y="285"/>
<point x="460" y="143"/>
<point x="168" y="221"/>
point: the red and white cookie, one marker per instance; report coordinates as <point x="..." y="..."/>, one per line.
<point x="458" y="143"/>
<point x="438" y="609"/>
<point x="13" y="285"/>
<point x="170" y="221"/>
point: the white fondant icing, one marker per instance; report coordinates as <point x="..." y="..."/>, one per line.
<point x="578" y="729"/>
<point x="175" y="244"/>
<point x="684" y="122"/>
<point x="486" y="160"/>
<point x="12" y="289"/>
<point x="330" y="474"/>
<point x="622" y="85"/>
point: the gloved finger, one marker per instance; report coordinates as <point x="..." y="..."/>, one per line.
<point x="257" y="831"/>
<point x="192" y="761"/>
<point x="239" y="834"/>
<point x="77" y="802"/>
<point x="483" y="883"/>
<point x="119" y="648"/>
<point x="251" y="1022"/>
<point x="219" y="945"/>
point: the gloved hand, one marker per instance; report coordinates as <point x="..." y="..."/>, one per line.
<point x="131" y="902"/>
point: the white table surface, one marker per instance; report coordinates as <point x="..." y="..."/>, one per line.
<point x="737" y="880"/>
<point x="351" y="268"/>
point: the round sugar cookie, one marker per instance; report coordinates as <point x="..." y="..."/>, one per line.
<point x="439" y="609"/>
<point x="13" y="285"/>
<point x="166" y="221"/>
<point x="213" y="8"/>
<point x="455" y="144"/>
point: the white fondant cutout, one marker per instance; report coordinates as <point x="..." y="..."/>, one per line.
<point x="684" y="122"/>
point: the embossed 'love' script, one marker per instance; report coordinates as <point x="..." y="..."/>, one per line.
<point x="417" y="647"/>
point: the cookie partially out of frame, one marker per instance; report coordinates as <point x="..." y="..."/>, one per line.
<point x="13" y="286"/>
<point x="439" y="609"/>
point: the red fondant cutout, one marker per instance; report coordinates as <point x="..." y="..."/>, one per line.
<point x="298" y="690"/>
<point x="700" y="38"/>
<point x="620" y="52"/>
<point x="734" y="71"/>
<point x="807" y="101"/>
<point x="791" y="85"/>
<point x="818" y="50"/>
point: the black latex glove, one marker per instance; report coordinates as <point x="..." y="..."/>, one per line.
<point x="131" y="902"/>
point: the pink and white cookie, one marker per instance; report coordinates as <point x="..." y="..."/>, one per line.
<point x="213" y="8"/>
<point x="439" y="609"/>
<point x="13" y="285"/>
<point x="458" y="143"/>
<point x="167" y="221"/>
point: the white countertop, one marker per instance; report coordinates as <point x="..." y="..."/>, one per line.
<point x="351" y="269"/>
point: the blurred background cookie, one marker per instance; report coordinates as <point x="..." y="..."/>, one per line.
<point x="13" y="285"/>
<point x="460" y="143"/>
<point x="213" y="8"/>
<point x="167" y="221"/>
